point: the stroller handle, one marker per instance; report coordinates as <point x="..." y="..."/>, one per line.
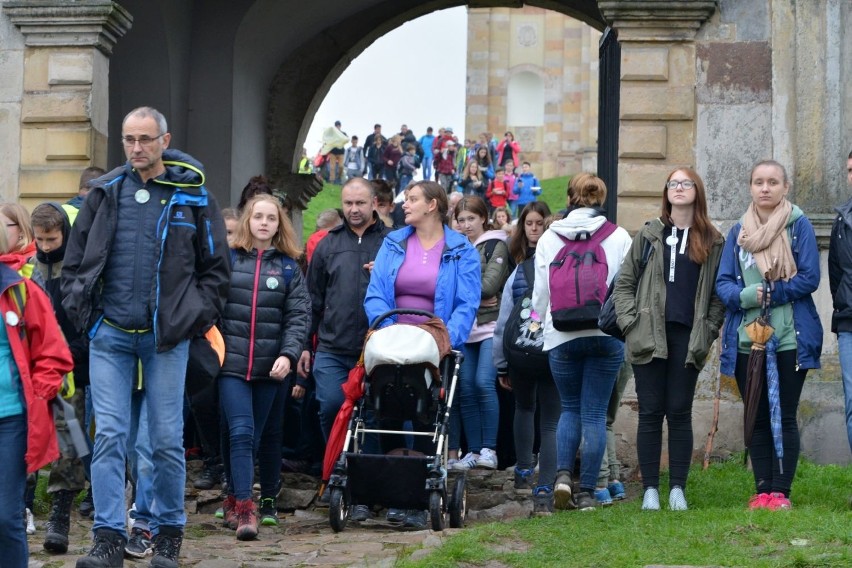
<point x="400" y="311"/>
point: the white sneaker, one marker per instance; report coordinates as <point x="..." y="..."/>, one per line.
<point x="651" y="501"/>
<point x="30" y="522"/>
<point x="466" y="463"/>
<point x="677" y="500"/>
<point x="487" y="459"/>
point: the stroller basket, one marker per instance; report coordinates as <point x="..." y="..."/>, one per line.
<point x="376" y="478"/>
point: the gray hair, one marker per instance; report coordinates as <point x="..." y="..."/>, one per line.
<point x="328" y="218"/>
<point x="146" y="112"/>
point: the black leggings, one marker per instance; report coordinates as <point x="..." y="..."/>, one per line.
<point x="665" y="389"/>
<point x="767" y="473"/>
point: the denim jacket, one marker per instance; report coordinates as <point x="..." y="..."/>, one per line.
<point x="798" y="290"/>
<point x="457" y="292"/>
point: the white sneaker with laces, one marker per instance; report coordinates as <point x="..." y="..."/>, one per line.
<point x="30" y="522"/>
<point x="677" y="500"/>
<point x="651" y="500"/>
<point x="487" y="459"/>
<point x="466" y="463"/>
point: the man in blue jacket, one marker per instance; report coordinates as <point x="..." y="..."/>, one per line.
<point x="146" y="269"/>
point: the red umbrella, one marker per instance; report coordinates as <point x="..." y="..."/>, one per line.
<point x="353" y="390"/>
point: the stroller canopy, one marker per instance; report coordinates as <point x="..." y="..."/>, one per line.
<point x="401" y="344"/>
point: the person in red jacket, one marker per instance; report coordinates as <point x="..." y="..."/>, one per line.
<point x="508" y="149"/>
<point x="34" y="359"/>
<point x="444" y="150"/>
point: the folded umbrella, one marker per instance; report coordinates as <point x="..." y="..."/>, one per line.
<point x="759" y="331"/>
<point x="774" y="397"/>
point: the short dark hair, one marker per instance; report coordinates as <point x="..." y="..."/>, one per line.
<point x="382" y="190"/>
<point x="526" y="164"/>
<point x="850" y="156"/>
<point x="48" y="216"/>
<point x="90" y="173"/>
<point x="376" y="126"/>
<point x="255" y="186"/>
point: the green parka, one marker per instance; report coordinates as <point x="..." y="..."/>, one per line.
<point x="641" y="308"/>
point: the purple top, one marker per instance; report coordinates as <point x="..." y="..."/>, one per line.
<point x="417" y="277"/>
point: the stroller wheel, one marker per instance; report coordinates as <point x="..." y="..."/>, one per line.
<point x="458" y="503"/>
<point x="338" y="511"/>
<point x="436" y="510"/>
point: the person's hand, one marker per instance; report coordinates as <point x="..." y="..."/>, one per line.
<point x="303" y="366"/>
<point x="489" y="302"/>
<point x="281" y="368"/>
<point x="298" y="391"/>
<point x="390" y="162"/>
<point x="760" y="296"/>
<point x="505" y="382"/>
<point x="369" y="266"/>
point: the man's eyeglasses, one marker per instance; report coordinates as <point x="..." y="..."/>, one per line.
<point x="144" y="141"/>
<point x="685" y="183"/>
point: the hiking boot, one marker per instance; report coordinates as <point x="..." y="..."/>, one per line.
<point x="677" y="500"/>
<point x="106" y="552"/>
<point x="778" y="501"/>
<point x="415" y="519"/>
<point x="487" y="459"/>
<point x="167" y="547"/>
<point x="246" y="519"/>
<point x="603" y="497"/>
<point x="651" y="500"/>
<point x="523" y="481"/>
<point x="229" y="515"/>
<point x="87" y="505"/>
<point x="56" y="539"/>
<point x="542" y="501"/>
<point x="466" y="463"/>
<point x="359" y="513"/>
<point x="585" y="502"/>
<point x="29" y="521"/>
<point x="563" y="491"/>
<point x="139" y="545"/>
<point x="268" y="512"/>
<point x="759" y="501"/>
<point x="210" y="476"/>
<point x="616" y="490"/>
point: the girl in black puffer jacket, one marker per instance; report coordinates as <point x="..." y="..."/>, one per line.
<point x="265" y="325"/>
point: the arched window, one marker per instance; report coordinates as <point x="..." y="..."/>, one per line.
<point x="525" y="100"/>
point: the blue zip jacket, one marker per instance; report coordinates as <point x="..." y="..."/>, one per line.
<point x="525" y="193"/>
<point x="458" y="290"/>
<point x="729" y="284"/>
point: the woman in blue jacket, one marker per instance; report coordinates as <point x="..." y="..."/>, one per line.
<point x="773" y="242"/>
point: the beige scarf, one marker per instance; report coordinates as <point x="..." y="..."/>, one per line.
<point x="768" y="243"/>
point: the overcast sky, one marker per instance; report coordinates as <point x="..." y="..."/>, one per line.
<point x="400" y="79"/>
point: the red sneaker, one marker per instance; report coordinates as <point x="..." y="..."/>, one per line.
<point x="759" y="501"/>
<point x="778" y="501"/>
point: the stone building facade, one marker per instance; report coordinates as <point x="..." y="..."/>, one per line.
<point x="535" y="72"/>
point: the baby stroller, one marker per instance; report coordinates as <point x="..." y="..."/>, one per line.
<point x="409" y="373"/>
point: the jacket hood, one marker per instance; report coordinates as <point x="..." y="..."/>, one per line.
<point x="491" y="234"/>
<point x="9" y="277"/>
<point x="580" y="221"/>
<point x="57" y="254"/>
<point x="182" y="170"/>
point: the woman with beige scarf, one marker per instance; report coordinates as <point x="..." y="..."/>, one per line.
<point x="772" y="251"/>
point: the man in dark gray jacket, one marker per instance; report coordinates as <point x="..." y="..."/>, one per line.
<point x="146" y="269"/>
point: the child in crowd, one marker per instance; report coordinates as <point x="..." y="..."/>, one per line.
<point x="527" y="187"/>
<point x="354" y="160"/>
<point x="496" y="192"/>
<point x="408" y="164"/>
<point x="67" y="477"/>
<point x="229" y="214"/>
<point x="265" y="322"/>
<point x="509" y="179"/>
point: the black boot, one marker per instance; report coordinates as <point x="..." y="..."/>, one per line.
<point x="210" y="475"/>
<point x="106" y="552"/>
<point x="57" y="526"/>
<point x="167" y="547"/>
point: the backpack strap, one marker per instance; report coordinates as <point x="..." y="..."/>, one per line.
<point x="529" y="271"/>
<point x="490" y="245"/>
<point x="19" y="294"/>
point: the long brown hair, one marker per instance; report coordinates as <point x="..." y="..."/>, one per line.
<point x="477" y="206"/>
<point x="702" y="233"/>
<point x="284" y="239"/>
<point x="519" y="244"/>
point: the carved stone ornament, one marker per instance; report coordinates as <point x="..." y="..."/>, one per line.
<point x="59" y="23"/>
<point x="527" y="35"/>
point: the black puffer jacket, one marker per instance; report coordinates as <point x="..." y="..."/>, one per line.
<point x="267" y="314"/>
<point x="840" y="269"/>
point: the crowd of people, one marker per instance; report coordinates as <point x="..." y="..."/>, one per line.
<point x="110" y="298"/>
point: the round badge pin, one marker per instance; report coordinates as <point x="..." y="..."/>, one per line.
<point x="525" y="313"/>
<point x="272" y="283"/>
<point x="12" y="318"/>
<point x="142" y="196"/>
<point x="671" y="240"/>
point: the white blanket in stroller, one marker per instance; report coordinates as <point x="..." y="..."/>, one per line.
<point x="400" y="344"/>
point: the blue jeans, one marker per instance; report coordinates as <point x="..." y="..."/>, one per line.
<point x="113" y="356"/>
<point x="478" y="389"/>
<point x="246" y="407"/>
<point x="427" y="167"/>
<point x="13" y="484"/>
<point x="584" y="370"/>
<point x="330" y="372"/>
<point x="844" y="349"/>
<point x="139" y="453"/>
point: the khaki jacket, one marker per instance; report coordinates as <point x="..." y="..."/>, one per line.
<point x="641" y="307"/>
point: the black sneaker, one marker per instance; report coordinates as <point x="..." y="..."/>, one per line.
<point x="585" y="501"/>
<point x="563" y="490"/>
<point x="139" y="545"/>
<point x="167" y="547"/>
<point x="360" y="513"/>
<point x="87" y="505"/>
<point x="415" y="519"/>
<point x="107" y="551"/>
<point x="56" y="539"/>
<point x="210" y="476"/>
<point x="542" y="502"/>
<point x="395" y="515"/>
<point x="268" y="512"/>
